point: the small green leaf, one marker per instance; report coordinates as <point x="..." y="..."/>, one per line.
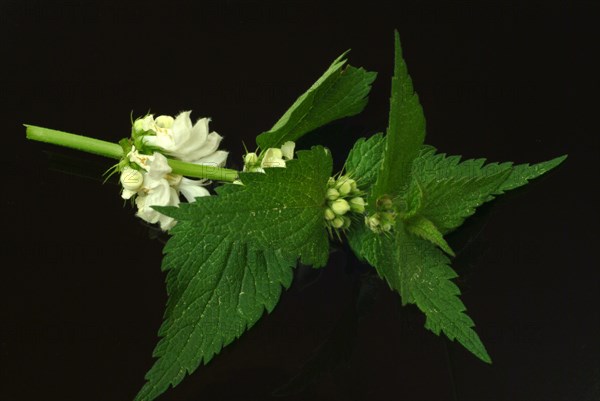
<point x="340" y="92"/>
<point x="229" y="256"/>
<point x="405" y="133"/>
<point x="424" y="228"/>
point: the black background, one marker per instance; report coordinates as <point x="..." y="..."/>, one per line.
<point x="82" y="294"/>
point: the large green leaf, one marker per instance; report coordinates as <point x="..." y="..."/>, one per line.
<point x="451" y="190"/>
<point x="421" y="274"/>
<point x="229" y="256"/>
<point x="405" y="133"/>
<point x="339" y="92"/>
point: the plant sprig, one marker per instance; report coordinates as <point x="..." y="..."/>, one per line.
<point x="230" y="255"/>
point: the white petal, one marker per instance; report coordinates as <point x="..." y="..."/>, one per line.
<point x="287" y="149"/>
<point x="208" y="147"/>
<point x="192" y="189"/>
<point x="194" y="147"/>
<point x="140" y="159"/>
<point x="127" y="194"/>
<point x="158" y="166"/>
<point x="182" y="129"/>
<point x="164" y="139"/>
<point x="273" y="153"/>
<point x="161" y="195"/>
<point x="164" y="121"/>
<point x="146" y="123"/>
<point x="217" y="159"/>
<point x="272" y="158"/>
<point x="166" y="222"/>
<point x="200" y="130"/>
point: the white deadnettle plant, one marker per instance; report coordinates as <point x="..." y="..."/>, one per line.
<point x="396" y="230"/>
<point x="149" y="177"/>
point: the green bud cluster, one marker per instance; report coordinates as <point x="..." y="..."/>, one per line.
<point x="384" y="218"/>
<point x="343" y="197"/>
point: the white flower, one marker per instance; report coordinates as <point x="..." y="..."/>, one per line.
<point x="180" y="139"/>
<point x="273" y="158"/>
<point x="251" y="163"/>
<point x="276" y="157"/>
<point x="156" y="186"/>
<point x="131" y="180"/>
<point x="155" y="190"/>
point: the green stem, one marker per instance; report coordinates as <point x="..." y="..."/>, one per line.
<point x="200" y="171"/>
<point x="115" y="151"/>
<point x="83" y="143"/>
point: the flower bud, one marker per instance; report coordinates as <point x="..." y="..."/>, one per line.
<point x="345" y="188"/>
<point x="354" y="189"/>
<point x="385" y="203"/>
<point x="372" y="222"/>
<point x="164" y="121"/>
<point x="273" y="158"/>
<point x="138" y="125"/>
<point x="250" y="159"/>
<point x="131" y="179"/>
<point x="338" y="222"/>
<point x="340" y="206"/>
<point x="347" y="222"/>
<point x="329" y="214"/>
<point x="357" y="205"/>
<point x="332" y="194"/>
<point x="143" y="124"/>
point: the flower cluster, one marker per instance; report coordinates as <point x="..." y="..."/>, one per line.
<point x="343" y="196"/>
<point x="384" y="219"/>
<point x="145" y="171"/>
<point x="272" y="157"/>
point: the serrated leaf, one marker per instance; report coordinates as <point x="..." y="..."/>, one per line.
<point x="424" y="228"/>
<point x="339" y="92"/>
<point x="450" y="190"/>
<point x="421" y="274"/>
<point x="229" y="256"/>
<point x="521" y="174"/>
<point x="447" y="202"/>
<point x="228" y="289"/>
<point x="405" y="133"/>
<point x="364" y="160"/>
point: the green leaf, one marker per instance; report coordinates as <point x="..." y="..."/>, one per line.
<point x="522" y="173"/>
<point x="405" y="133"/>
<point x="340" y="92"/>
<point x="364" y="160"/>
<point x="421" y="274"/>
<point x="450" y="190"/>
<point x="447" y="202"/>
<point x="424" y="228"/>
<point x="229" y="256"/>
